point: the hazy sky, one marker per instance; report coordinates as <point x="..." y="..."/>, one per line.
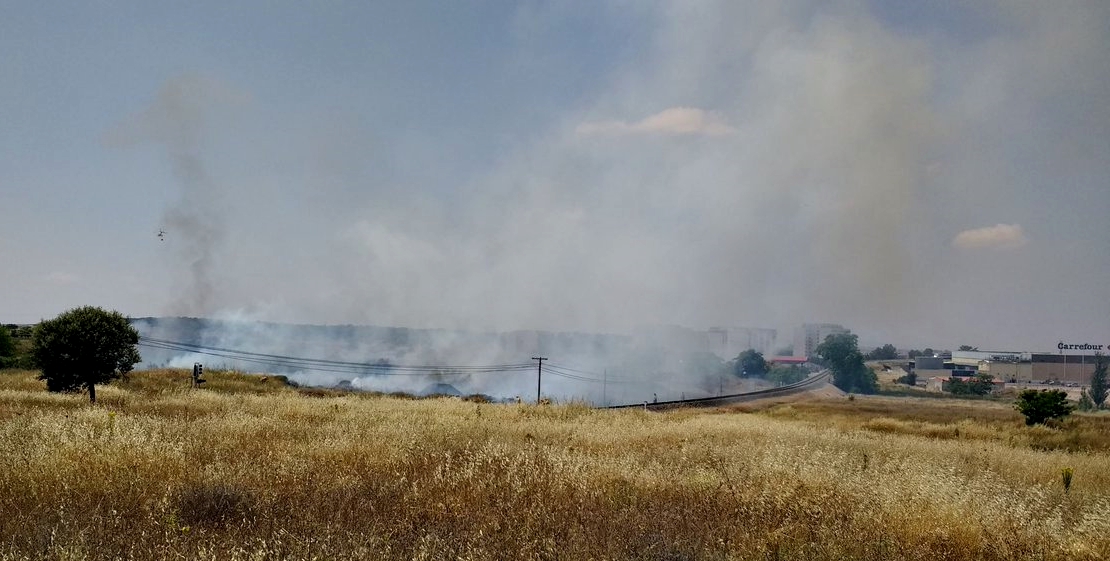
<point x="924" y="173"/>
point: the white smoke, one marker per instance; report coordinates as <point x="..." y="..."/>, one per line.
<point x="757" y="164"/>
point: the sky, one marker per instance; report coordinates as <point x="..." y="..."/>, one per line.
<point x="926" y="174"/>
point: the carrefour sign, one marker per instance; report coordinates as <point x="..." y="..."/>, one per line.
<point x="1083" y="347"/>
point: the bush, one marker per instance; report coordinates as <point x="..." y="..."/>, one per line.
<point x="214" y="505"/>
<point x="1085" y="402"/>
<point x="979" y="385"/>
<point x="1039" y="406"/>
<point x="7" y="345"/>
<point x="1099" y="387"/>
<point x="909" y="379"/>
<point x="787" y="374"/>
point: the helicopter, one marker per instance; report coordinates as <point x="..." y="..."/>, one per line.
<point x="161" y="235"/>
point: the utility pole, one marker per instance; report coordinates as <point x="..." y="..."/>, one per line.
<point x="604" y="384"/>
<point x="539" y="375"/>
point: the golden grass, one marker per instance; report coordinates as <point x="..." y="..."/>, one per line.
<point x="956" y="419"/>
<point x="264" y="472"/>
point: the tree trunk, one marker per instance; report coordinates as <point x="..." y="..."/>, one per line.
<point x="92" y="393"/>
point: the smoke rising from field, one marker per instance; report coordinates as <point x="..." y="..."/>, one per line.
<point x="759" y="165"/>
<point x="178" y="122"/>
<point x="597" y="368"/>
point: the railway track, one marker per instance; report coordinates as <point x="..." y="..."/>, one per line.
<point x="805" y="385"/>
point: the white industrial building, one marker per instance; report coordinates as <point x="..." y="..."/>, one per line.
<point x="728" y="342"/>
<point x="1012" y="366"/>
<point x="809" y="335"/>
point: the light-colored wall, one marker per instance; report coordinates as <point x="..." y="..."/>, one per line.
<point x="809" y="335"/>
<point x="934" y="384"/>
<point x="1006" y="371"/>
<point x="925" y="374"/>
<point x="1080" y="373"/>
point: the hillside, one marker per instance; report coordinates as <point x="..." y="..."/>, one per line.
<point x="252" y="469"/>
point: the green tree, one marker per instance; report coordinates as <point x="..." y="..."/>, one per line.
<point x="979" y="385"/>
<point x="787" y="374"/>
<point x="841" y="353"/>
<point x="968" y="348"/>
<point x="1085" y="402"/>
<point x="1039" y="406"/>
<point x="84" y="347"/>
<point x="910" y="379"/>
<point x="1098" y="381"/>
<point x="7" y="346"/>
<point x="885" y="352"/>
<point x="750" y="364"/>
<point x="701" y="364"/>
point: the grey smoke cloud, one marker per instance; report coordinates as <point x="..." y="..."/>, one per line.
<point x="759" y="165"/>
<point x="179" y="121"/>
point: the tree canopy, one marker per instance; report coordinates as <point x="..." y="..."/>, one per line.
<point x="750" y="364"/>
<point x="1039" y="406"/>
<point x="885" y="352"/>
<point x="7" y="345"/>
<point x="841" y="352"/>
<point x="787" y="374"/>
<point x="84" y="347"/>
<point x="1099" y="382"/>
<point x="978" y="385"/>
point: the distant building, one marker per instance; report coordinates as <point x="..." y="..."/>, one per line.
<point x="725" y="342"/>
<point x="929" y="367"/>
<point x="788" y="360"/>
<point x="1010" y="366"/>
<point x="935" y="384"/>
<point x="728" y="342"/>
<point x="1028" y="366"/>
<point x="809" y="335"/>
<point x="672" y="338"/>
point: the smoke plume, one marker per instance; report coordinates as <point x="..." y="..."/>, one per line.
<point x="179" y="121"/>
<point x="757" y="165"/>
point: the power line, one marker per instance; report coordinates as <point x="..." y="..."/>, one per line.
<point x="589" y="376"/>
<point x="324" y="365"/>
<point x="208" y="349"/>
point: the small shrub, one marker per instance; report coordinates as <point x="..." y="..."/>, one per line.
<point x="909" y="379"/>
<point x="1085" y="402"/>
<point x="214" y="505"/>
<point x="1066" y="474"/>
<point x="1040" y="406"/>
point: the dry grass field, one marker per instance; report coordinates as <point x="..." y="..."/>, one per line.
<point x="251" y="469"/>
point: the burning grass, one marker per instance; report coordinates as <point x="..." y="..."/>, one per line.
<point x="156" y="472"/>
